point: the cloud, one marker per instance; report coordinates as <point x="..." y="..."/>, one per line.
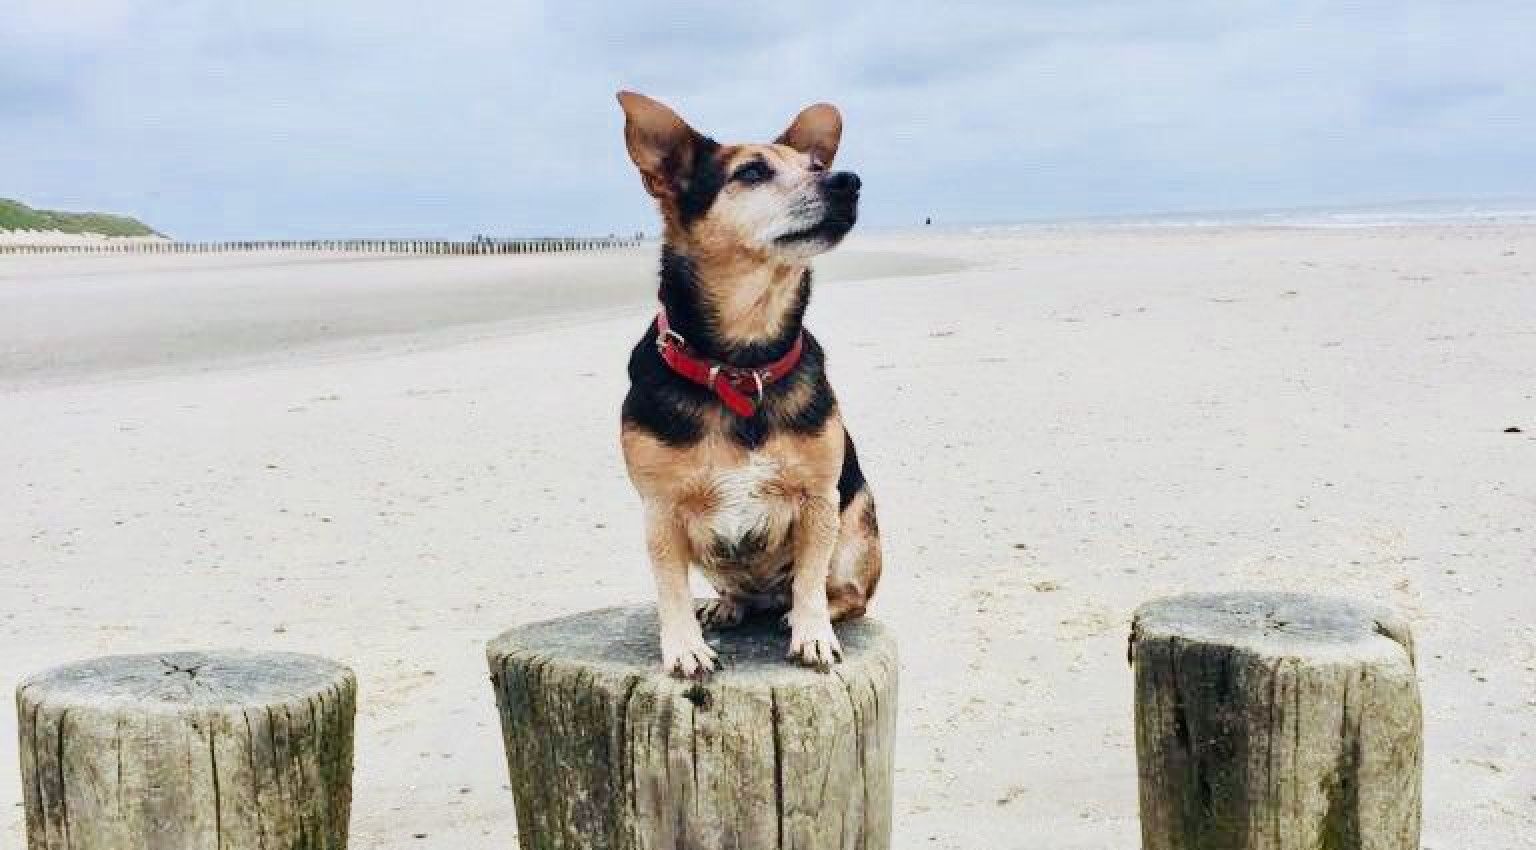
<point x="298" y="118"/>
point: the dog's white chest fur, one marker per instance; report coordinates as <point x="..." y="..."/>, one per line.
<point x="742" y="503"/>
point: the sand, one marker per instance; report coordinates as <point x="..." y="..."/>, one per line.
<point x="92" y="317"/>
<point x="388" y="461"/>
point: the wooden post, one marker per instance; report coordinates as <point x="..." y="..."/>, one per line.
<point x="1275" y="721"/>
<point x="606" y="752"/>
<point x="188" y="751"/>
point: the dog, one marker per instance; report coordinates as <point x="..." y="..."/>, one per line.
<point x="730" y="431"/>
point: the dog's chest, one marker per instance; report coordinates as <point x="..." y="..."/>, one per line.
<point x="746" y="502"/>
<point x="742" y="542"/>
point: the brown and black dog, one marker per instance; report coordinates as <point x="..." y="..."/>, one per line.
<point x="731" y="432"/>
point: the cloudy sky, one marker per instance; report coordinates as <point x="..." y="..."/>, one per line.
<point x="289" y="118"/>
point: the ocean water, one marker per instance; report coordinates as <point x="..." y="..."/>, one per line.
<point x="1503" y="211"/>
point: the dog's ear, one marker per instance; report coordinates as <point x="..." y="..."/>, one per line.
<point x="661" y="144"/>
<point x="816" y="131"/>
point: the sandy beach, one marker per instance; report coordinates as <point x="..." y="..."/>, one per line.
<point x="390" y="460"/>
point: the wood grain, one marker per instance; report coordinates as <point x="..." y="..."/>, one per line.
<point x="188" y="751"/>
<point x="606" y="752"/>
<point x="1275" y="721"/>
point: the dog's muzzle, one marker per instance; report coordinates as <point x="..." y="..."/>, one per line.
<point x="840" y="203"/>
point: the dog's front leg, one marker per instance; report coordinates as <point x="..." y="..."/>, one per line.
<point x="811" y="639"/>
<point x="683" y="650"/>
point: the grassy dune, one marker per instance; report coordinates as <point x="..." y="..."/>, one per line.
<point x="14" y="215"/>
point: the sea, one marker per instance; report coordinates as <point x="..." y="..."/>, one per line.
<point x="1398" y="214"/>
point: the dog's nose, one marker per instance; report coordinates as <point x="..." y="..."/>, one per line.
<point x="842" y="182"/>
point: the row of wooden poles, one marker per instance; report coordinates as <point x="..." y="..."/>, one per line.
<point x="1273" y="721"/>
<point x="375" y="246"/>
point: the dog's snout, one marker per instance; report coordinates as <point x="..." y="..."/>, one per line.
<point x="842" y="182"/>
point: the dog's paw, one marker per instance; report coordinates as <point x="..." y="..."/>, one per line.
<point x="688" y="657"/>
<point x="722" y="613"/>
<point x="815" y="646"/>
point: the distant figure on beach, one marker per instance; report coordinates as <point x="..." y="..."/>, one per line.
<point x="928" y="221"/>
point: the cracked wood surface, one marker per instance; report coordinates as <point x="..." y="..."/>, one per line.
<point x="606" y="752"/>
<point x="1271" y="721"/>
<point x="188" y="751"/>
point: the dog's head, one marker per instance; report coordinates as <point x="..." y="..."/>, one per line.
<point x="779" y="200"/>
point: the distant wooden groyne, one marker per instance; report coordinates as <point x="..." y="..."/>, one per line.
<point x="359" y="246"/>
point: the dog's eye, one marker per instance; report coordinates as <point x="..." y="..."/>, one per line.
<point x="752" y="173"/>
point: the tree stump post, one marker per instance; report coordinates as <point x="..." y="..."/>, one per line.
<point x="606" y="752"/>
<point x="188" y="751"/>
<point x="1272" y="721"/>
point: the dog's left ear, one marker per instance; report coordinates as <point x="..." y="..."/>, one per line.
<point x="816" y="131"/>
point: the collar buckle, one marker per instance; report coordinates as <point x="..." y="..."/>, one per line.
<point x="670" y="336"/>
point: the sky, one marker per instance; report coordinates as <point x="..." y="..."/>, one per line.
<point x="212" y="119"/>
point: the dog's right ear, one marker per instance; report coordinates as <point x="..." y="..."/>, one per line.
<point x="660" y="143"/>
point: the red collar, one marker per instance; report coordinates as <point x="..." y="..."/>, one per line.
<point x="731" y="383"/>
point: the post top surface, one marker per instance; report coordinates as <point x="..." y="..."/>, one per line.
<point x="1278" y="625"/>
<point x="175" y="680"/>
<point x="625" y="640"/>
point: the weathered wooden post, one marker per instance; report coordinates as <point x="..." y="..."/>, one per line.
<point x="1273" y="721"/>
<point x="606" y="752"/>
<point x="188" y="751"/>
